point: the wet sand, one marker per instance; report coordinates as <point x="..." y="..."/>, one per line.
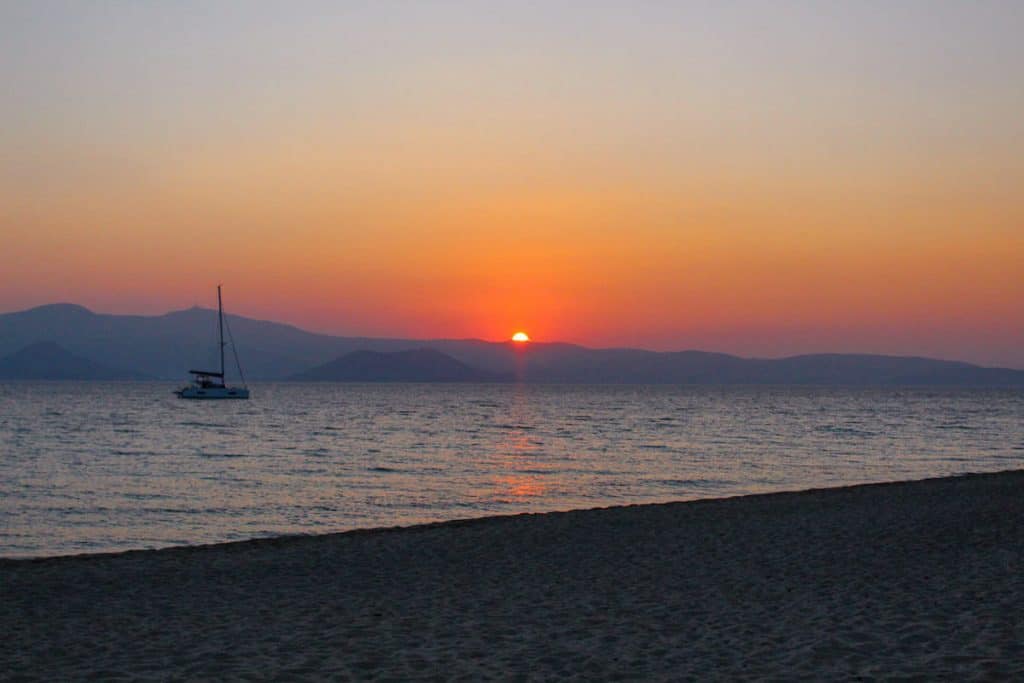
<point x="921" y="579"/>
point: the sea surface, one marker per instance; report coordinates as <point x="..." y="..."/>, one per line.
<point x="103" y="467"/>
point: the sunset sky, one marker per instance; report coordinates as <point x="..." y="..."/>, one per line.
<point x="761" y="178"/>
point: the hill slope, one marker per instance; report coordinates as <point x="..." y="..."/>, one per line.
<point x="47" y="360"/>
<point x="418" y="365"/>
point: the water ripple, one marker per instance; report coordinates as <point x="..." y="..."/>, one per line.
<point x="88" y="468"/>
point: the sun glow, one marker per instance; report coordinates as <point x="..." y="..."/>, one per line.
<point x="520" y="337"/>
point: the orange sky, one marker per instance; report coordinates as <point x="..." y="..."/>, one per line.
<point x="768" y="184"/>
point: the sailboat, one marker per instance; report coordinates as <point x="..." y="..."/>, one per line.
<point x="207" y="384"/>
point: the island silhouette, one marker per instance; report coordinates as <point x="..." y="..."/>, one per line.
<point x="67" y="341"/>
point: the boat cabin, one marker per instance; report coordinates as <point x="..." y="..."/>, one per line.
<point x="207" y="380"/>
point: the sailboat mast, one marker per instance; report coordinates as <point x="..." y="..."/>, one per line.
<point x="220" y="330"/>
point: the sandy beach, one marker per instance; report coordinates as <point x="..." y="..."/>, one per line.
<point x="920" y="579"/>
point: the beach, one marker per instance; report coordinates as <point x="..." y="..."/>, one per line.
<point x="918" y="579"/>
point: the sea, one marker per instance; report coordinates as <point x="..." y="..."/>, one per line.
<point x="98" y="467"/>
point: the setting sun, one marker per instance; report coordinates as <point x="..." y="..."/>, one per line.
<point x="520" y="337"/>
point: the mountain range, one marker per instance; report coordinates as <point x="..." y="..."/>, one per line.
<point x="166" y="346"/>
<point x="418" y="365"/>
<point x="49" y="360"/>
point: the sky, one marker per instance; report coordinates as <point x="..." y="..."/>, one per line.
<point x="760" y="178"/>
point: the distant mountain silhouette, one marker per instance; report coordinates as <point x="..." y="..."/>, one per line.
<point x="166" y="346"/>
<point x="418" y="365"/>
<point x="48" y="360"/>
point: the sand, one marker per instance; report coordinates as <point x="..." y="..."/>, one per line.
<point x="921" y="579"/>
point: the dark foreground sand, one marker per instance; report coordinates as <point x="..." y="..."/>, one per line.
<point x="917" y="579"/>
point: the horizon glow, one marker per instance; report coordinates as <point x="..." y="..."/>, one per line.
<point x="752" y="178"/>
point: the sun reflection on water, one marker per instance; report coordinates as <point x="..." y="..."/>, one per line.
<point x="521" y="468"/>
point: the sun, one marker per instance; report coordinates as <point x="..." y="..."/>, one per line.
<point x="520" y="337"/>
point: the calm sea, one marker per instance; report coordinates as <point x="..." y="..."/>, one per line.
<point x="100" y="467"/>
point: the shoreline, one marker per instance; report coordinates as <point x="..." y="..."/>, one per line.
<point x="280" y="539"/>
<point x="921" y="579"/>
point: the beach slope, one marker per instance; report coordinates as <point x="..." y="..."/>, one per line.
<point x="908" y="579"/>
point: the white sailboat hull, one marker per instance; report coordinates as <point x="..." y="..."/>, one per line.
<point x="212" y="392"/>
<point x="209" y="384"/>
